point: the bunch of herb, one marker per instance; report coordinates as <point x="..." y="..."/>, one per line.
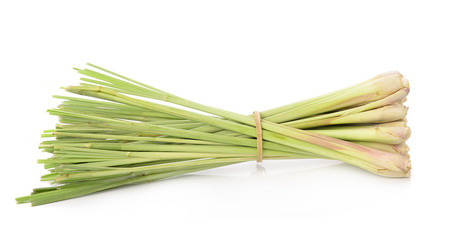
<point x="117" y="132"/>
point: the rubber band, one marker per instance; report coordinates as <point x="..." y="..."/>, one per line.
<point x="257" y="119"/>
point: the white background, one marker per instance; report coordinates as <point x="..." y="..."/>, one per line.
<point x="241" y="56"/>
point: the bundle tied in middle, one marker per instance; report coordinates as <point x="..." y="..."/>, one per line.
<point x="117" y="136"/>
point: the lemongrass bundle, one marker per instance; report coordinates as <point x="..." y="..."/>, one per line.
<point x="115" y="135"/>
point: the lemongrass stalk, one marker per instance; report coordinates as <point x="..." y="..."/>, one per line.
<point x="123" y="113"/>
<point x="133" y="163"/>
<point x="388" y="113"/>
<point x="401" y="148"/>
<point x="186" y="126"/>
<point x="82" y="102"/>
<point x="139" y="147"/>
<point x="85" y="130"/>
<point x="73" y="140"/>
<point x="94" y="130"/>
<point x="112" y="162"/>
<point x="69" y="151"/>
<point x="387" y="135"/>
<point x="120" y="162"/>
<point x="134" y="138"/>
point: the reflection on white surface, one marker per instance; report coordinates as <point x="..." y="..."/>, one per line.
<point x="260" y="170"/>
<point x="281" y="188"/>
<point x="269" y="167"/>
<point x="275" y="190"/>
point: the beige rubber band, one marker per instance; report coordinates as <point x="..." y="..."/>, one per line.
<point x="257" y="119"/>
